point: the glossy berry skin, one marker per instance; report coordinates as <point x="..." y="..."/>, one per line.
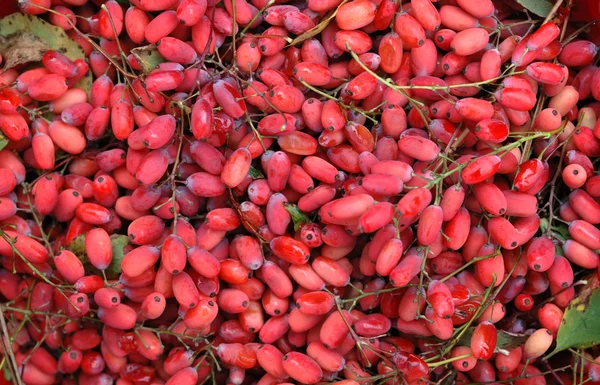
<point x="524" y="302"/>
<point x="324" y="192"/>
<point x="484" y="340"/>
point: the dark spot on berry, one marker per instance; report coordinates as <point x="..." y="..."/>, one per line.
<point x="114" y="299"/>
<point x="537" y="266"/>
<point x="277" y="311"/>
<point x="513" y="244"/>
<point x="465" y="364"/>
<point x="80" y="299"/>
<point x="575" y="172"/>
<point x="309" y="237"/>
<point x="446" y="66"/>
<point x="100" y="179"/>
<point x="157" y="299"/>
<point x="245" y="303"/>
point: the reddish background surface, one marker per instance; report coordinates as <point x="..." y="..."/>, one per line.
<point x="7" y="7"/>
<point x="587" y="10"/>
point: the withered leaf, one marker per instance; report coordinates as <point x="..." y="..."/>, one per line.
<point x="21" y="48"/>
<point x="51" y="36"/>
<point x="148" y="57"/>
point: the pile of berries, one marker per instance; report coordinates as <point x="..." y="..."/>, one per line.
<point x="263" y="192"/>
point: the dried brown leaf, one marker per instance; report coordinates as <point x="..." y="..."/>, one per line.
<point x="21" y="48"/>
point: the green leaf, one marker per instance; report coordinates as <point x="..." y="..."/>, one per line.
<point x="18" y="29"/>
<point x="48" y="115"/>
<point x="579" y="327"/>
<point x="77" y="247"/>
<point x="558" y="250"/>
<point x="118" y="242"/>
<point x="298" y="217"/>
<point x="506" y="340"/>
<point x="6" y="373"/>
<point x="539" y="7"/>
<point x="148" y="57"/>
<point x="255" y="173"/>
<point x="3" y="141"/>
<point x="561" y="232"/>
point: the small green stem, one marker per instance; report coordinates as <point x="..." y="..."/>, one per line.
<point x="447" y="361"/>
